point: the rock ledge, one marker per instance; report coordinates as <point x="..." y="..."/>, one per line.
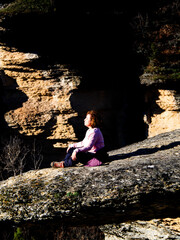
<point x="141" y="182"/>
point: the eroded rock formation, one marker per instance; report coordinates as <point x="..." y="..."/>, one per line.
<point x="165" y="116"/>
<point x="160" y="44"/>
<point x="45" y="95"/>
<point x="48" y="99"/>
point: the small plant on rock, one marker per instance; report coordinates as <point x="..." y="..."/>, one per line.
<point x="13" y="158"/>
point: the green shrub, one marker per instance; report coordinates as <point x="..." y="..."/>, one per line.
<point x="28" y="6"/>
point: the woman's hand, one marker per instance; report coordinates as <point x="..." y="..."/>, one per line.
<point x="68" y="148"/>
<point x="73" y="156"/>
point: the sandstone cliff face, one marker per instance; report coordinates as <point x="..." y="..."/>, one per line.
<point x="168" y="118"/>
<point x="160" y="76"/>
<point x="45" y="95"/>
<point x="50" y="102"/>
<point x="162" y="112"/>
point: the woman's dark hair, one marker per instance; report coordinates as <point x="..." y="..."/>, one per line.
<point x="95" y="118"/>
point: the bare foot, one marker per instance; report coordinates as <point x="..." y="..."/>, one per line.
<point x="57" y="164"/>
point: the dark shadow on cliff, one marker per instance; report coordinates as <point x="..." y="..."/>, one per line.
<point x="96" y="40"/>
<point x="12" y="97"/>
<point x="110" y="83"/>
<point x="143" y="151"/>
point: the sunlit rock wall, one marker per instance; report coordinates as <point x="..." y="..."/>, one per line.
<point x="168" y="118"/>
<point x="38" y="99"/>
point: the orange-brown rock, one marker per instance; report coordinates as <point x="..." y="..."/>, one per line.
<point x="169" y="118"/>
<point x="47" y="91"/>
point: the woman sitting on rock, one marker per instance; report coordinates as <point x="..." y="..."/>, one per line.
<point x="91" y="151"/>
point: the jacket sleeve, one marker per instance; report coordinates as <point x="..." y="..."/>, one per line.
<point x="92" y="138"/>
<point x="78" y="144"/>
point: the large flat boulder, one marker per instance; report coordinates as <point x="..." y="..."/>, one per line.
<point x="141" y="181"/>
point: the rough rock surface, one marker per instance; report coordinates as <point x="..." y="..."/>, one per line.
<point x="142" y="182"/>
<point x="46" y="99"/>
<point x="155" y="229"/>
<point x="168" y="117"/>
<point x="41" y="94"/>
<point x="159" y="44"/>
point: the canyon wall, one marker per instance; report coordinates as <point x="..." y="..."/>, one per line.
<point x="125" y="65"/>
<point x="160" y="76"/>
<point x="165" y="116"/>
<point x="39" y="98"/>
<point x="49" y="102"/>
<point x="44" y="98"/>
<point x="65" y="60"/>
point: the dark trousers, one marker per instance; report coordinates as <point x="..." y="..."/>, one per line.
<point x="84" y="157"/>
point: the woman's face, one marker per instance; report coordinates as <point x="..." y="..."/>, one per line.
<point x="87" y="120"/>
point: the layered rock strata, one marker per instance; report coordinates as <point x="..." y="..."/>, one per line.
<point x="49" y="101"/>
<point x="163" y="111"/>
<point x="40" y="96"/>
<point x="157" y="46"/>
<point x="160" y="76"/>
